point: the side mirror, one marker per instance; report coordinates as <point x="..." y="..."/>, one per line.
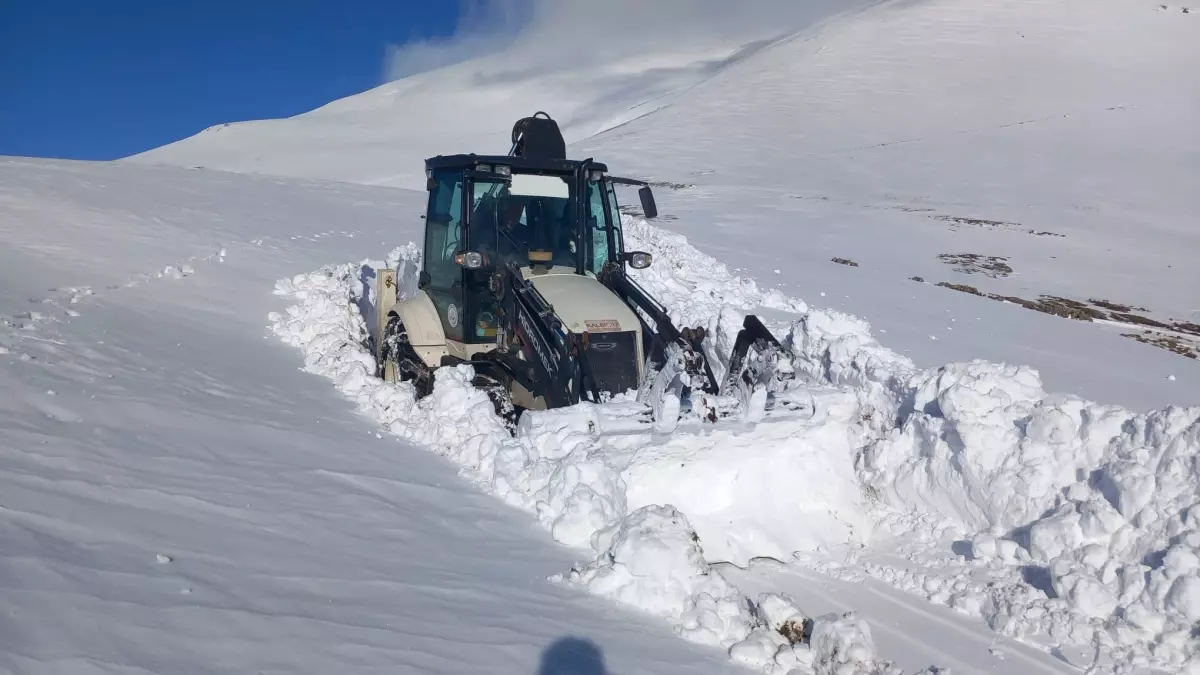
<point x="638" y="260"/>
<point x="648" y="206"/>
<point x="423" y="280"/>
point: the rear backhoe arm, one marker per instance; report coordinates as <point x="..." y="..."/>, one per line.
<point x="739" y="373"/>
<point x="663" y="333"/>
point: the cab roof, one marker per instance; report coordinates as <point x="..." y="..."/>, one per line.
<point x="528" y="164"/>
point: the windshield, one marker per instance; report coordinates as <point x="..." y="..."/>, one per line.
<point x="533" y="218"/>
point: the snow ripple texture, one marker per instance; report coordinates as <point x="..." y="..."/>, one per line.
<point x="1086" y="516"/>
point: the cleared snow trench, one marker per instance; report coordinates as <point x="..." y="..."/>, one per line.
<point x="1100" y="502"/>
<point x="646" y="553"/>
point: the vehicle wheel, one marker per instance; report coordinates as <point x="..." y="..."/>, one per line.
<point x="501" y="400"/>
<point x="399" y="362"/>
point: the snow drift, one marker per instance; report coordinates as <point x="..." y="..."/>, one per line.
<point x="1105" y="499"/>
<point x="617" y="497"/>
<point x="1101" y="503"/>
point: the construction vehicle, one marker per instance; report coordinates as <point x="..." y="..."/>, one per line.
<point x="525" y="277"/>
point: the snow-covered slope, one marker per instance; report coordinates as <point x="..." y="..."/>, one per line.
<point x="167" y="469"/>
<point x="145" y="417"/>
<point x="383" y="135"/>
<point x="1019" y="149"/>
<point x="178" y="497"/>
<point x="1022" y="148"/>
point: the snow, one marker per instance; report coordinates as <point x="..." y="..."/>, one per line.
<point x="1087" y="492"/>
<point x="957" y="643"/>
<point x="1040" y="478"/>
<point x="645" y="555"/>
<point x="988" y="488"/>
<point x="980" y="446"/>
<point x="831" y="135"/>
<point x="862" y="139"/>
<point x="784" y="488"/>
<point x="653" y="559"/>
<point x="180" y="427"/>
<point x="381" y="136"/>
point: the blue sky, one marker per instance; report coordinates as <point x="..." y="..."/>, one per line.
<point x="102" y="79"/>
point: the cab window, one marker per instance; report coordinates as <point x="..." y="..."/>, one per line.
<point x="443" y="229"/>
<point x="615" y="213"/>
<point x="597" y="226"/>
<point x="443" y="237"/>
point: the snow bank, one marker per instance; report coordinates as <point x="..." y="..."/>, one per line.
<point x="1101" y="503"/>
<point x="1088" y="515"/>
<point x="649" y="555"/>
<point x="654" y="559"/>
<point x="1095" y="510"/>
<point x="769" y="491"/>
<point x="982" y="445"/>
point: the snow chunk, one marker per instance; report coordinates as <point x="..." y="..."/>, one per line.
<point x="654" y="561"/>
<point x="842" y="645"/>
<point x="781" y="615"/>
<point x="1085" y="592"/>
<point x="1052" y="535"/>
<point x="1183" y="599"/>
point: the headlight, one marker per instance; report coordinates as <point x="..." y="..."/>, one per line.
<point x="471" y="260"/>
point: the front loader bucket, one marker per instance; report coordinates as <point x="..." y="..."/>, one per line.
<point x="609" y="419"/>
<point x="757" y="365"/>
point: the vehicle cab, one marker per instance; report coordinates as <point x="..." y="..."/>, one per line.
<point x="556" y="220"/>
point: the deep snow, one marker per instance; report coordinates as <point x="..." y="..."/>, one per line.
<point x="145" y="416"/>
<point x="889" y="457"/>
<point x="168" y="471"/>
<point x="649" y="557"/>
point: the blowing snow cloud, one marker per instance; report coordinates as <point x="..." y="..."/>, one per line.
<point x="562" y="33"/>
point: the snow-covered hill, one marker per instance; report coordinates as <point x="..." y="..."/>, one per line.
<point x="1020" y="149"/>
<point x="383" y="135"/>
<point x="1042" y="153"/>
<point x="178" y="497"/>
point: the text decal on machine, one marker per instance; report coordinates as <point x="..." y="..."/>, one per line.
<point x="602" y="325"/>
<point x="535" y="339"/>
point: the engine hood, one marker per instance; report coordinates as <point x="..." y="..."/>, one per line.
<point x="582" y="302"/>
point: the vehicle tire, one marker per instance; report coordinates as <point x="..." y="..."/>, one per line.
<point x="399" y="362"/>
<point x="501" y="400"/>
